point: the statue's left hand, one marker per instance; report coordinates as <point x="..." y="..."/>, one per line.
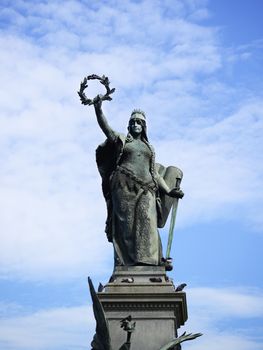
<point x="176" y="193"/>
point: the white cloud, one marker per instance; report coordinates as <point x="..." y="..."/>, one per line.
<point x="70" y="328"/>
<point x="226" y="302"/>
<point x="222" y="165"/>
<point x="10" y="309"/>
<point x="213" y="311"/>
<point x="52" y="210"/>
<point x="210" y="311"/>
<point x="200" y="14"/>
<point x="50" y="184"/>
<point x="162" y="59"/>
<point x="219" y="341"/>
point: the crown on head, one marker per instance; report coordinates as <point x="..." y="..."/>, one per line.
<point x="138" y="111"/>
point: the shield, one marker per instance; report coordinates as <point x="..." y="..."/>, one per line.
<point x="172" y="176"/>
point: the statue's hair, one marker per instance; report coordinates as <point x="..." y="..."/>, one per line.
<point x="143" y="120"/>
<point x="139" y="111"/>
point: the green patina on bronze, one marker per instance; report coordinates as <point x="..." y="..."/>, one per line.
<point x="139" y="193"/>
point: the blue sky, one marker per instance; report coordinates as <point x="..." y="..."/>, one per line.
<point x="195" y="67"/>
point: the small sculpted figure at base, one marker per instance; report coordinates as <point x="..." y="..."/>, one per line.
<point x="134" y="189"/>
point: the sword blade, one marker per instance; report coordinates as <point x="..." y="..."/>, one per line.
<point x="171" y="228"/>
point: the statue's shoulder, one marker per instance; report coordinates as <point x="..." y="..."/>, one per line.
<point x="108" y="152"/>
<point x="121" y="138"/>
<point x="118" y="138"/>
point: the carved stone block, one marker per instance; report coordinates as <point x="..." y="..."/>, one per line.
<point x="150" y="298"/>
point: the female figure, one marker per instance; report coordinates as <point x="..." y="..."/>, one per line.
<point x="131" y="186"/>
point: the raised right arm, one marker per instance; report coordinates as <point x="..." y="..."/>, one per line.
<point x="102" y="121"/>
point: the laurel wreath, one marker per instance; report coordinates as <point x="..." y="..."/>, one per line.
<point x="84" y="84"/>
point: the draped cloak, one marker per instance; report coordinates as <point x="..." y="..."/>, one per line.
<point x="135" y="210"/>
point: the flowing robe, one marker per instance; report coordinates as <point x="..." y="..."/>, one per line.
<point x="134" y="208"/>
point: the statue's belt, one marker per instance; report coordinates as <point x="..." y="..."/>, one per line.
<point x="145" y="186"/>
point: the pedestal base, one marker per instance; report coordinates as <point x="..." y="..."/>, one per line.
<point x="145" y="293"/>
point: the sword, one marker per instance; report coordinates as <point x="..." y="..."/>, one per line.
<point x="172" y="222"/>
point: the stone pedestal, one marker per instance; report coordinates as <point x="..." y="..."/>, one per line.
<point x="147" y="294"/>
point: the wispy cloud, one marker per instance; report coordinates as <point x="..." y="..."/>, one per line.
<point x="48" y="172"/>
<point x="49" y="179"/>
<point x="49" y="329"/>
<point x="204" y="114"/>
<point x="73" y="327"/>
<point x="221" y="163"/>
<point x="213" y="311"/>
<point x="226" y="302"/>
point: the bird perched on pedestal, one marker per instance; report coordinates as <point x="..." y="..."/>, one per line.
<point x="180" y="287"/>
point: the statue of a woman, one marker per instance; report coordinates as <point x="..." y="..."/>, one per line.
<point x="132" y="187"/>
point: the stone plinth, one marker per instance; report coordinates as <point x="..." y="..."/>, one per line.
<point x="150" y="298"/>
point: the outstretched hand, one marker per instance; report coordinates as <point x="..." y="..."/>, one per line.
<point x="97" y="101"/>
<point x="176" y="193"/>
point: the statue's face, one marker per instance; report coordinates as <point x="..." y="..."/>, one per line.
<point x="135" y="126"/>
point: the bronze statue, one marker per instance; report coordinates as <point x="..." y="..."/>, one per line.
<point x="139" y="193"/>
